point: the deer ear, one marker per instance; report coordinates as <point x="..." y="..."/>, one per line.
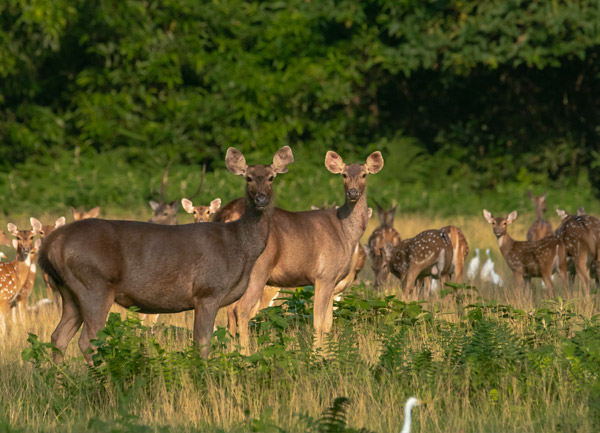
<point x="215" y="205"/>
<point x="544" y="195"/>
<point x="530" y="195"/>
<point x="511" y="217"/>
<point x="175" y="205"/>
<point x="369" y="212"/>
<point x="12" y="229"/>
<point x="93" y="213"/>
<point x="561" y="213"/>
<point x="37" y="243"/>
<point x="153" y="204"/>
<point x="334" y="162"/>
<point x="488" y="216"/>
<point x="73" y="211"/>
<point x="187" y="205"/>
<point x="580" y="211"/>
<point x="15" y="244"/>
<point x="60" y="222"/>
<point x="282" y="159"/>
<point x="35" y="225"/>
<point x="374" y="162"/>
<point x="235" y="161"/>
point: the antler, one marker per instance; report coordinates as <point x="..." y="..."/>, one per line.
<point x="201" y="182"/>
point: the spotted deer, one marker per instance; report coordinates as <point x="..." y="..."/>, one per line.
<point x="27" y="282"/>
<point x="529" y="259"/>
<point x="428" y="254"/>
<point x="201" y="213"/>
<point x="12" y="276"/>
<point x="160" y="268"/>
<point x="540" y="228"/>
<point x="460" y="251"/>
<point x="312" y="248"/>
<point x="79" y="215"/>
<point x="381" y="236"/>
<point x="581" y="236"/>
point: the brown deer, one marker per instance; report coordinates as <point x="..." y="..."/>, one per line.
<point x="540" y="228"/>
<point x="581" y="236"/>
<point x="79" y="215"/>
<point x="24" y="239"/>
<point x="231" y="211"/>
<point x="201" y="213"/>
<point x="164" y="212"/>
<point x="160" y="268"/>
<point x="47" y="229"/>
<point x="312" y="248"/>
<point x="428" y="254"/>
<point x="12" y="276"/>
<point x="5" y="239"/>
<point x="381" y="236"/>
<point x="529" y="259"/>
<point x="460" y="251"/>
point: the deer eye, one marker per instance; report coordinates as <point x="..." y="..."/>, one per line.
<point x="364" y="175"/>
<point x="344" y="175"/>
<point x="248" y="179"/>
<point x="271" y="178"/>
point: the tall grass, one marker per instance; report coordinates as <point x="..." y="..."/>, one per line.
<point x="485" y="360"/>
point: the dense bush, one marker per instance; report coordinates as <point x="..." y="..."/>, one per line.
<point x="467" y="99"/>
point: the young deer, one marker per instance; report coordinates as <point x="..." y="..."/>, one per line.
<point x="381" y="236"/>
<point x="160" y="268"/>
<point x="201" y="213"/>
<point x="460" y="251"/>
<point x="581" y="236"/>
<point x="12" y="277"/>
<point x="312" y="248"/>
<point x="79" y="215"/>
<point x="540" y="228"/>
<point x="428" y="254"/>
<point x="529" y="259"/>
<point x="27" y="281"/>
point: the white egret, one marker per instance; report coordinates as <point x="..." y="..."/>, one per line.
<point x="488" y="273"/>
<point x="473" y="265"/>
<point x="410" y="403"/>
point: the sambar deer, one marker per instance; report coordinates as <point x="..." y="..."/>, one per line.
<point x="428" y="254"/>
<point x="385" y="233"/>
<point x="540" y="227"/>
<point x="164" y="212"/>
<point x="460" y="251"/>
<point x="160" y="268"/>
<point x="314" y="247"/>
<point x="79" y="215"/>
<point x="581" y="236"/>
<point x="529" y="259"/>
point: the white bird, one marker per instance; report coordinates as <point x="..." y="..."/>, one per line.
<point x="410" y="403"/>
<point x="488" y="272"/>
<point x="473" y="265"/>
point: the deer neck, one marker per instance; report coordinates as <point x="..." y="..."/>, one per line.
<point x="538" y="214"/>
<point x="23" y="267"/>
<point x="353" y="217"/>
<point x="505" y="242"/>
<point x="256" y="225"/>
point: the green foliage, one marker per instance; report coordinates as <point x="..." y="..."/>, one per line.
<point x="469" y="102"/>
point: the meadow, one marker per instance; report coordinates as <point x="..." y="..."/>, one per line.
<point x="484" y="359"/>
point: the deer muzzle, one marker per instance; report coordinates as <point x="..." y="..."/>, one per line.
<point x="261" y="200"/>
<point x="353" y="194"/>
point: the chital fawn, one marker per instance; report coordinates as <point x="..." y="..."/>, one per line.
<point x="201" y="213"/>
<point x="27" y="282"/>
<point x="79" y="215"/>
<point x="428" y="254"/>
<point x="540" y="228"/>
<point x="160" y="268"/>
<point x="581" y="236"/>
<point x="529" y="259"/>
<point x="312" y="248"/>
<point x="460" y="251"/>
<point x="382" y="235"/>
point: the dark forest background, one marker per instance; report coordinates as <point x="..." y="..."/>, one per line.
<point x="471" y="103"/>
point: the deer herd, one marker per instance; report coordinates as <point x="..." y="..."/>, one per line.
<point x="239" y="256"/>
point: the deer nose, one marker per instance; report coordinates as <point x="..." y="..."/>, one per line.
<point x="261" y="200"/>
<point x="353" y="194"/>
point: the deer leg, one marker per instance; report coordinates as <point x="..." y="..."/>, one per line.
<point x="582" y="271"/>
<point x="323" y="311"/>
<point x="232" y="318"/>
<point x="205" y="313"/>
<point x="547" y="279"/>
<point x="411" y="277"/>
<point x="244" y="306"/>
<point x="527" y="287"/>
<point x="94" y="313"/>
<point x="70" y="322"/>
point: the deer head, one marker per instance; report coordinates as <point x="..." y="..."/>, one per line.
<point x="24" y="241"/>
<point x="539" y="202"/>
<point x="201" y="213"/>
<point x="46" y="230"/>
<point x="259" y="178"/>
<point x="355" y="175"/>
<point x="499" y="224"/>
<point x="386" y="217"/>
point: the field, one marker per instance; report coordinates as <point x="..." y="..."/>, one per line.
<point x="484" y="358"/>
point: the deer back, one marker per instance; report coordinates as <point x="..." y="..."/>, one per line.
<point x="13" y="274"/>
<point x="231" y="211"/>
<point x="430" y="252"/>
